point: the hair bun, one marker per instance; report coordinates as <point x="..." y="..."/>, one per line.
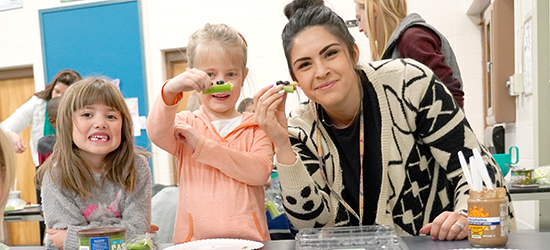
<point x="296" y="5"/>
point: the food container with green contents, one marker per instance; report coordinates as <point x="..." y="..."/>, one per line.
<point x="104" y="238"/>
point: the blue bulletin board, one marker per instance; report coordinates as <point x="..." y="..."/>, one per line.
<point x="98" y="39"/>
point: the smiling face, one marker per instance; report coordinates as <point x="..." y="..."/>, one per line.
<point x="224" y="66"/>
<point x="97" y="131"/>
<point x="323" y="67"/>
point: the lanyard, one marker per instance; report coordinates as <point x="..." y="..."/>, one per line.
<point x="361" y="151"/>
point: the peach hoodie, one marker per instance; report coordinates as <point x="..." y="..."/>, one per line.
<point x="221" y="191"/>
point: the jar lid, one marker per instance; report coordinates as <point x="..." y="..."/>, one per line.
<point x="102" y="231"/>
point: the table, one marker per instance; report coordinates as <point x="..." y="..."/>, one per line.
<point x="26" y="214"/>
<point x="522" y="240"/>
<point x="542" y="194"/>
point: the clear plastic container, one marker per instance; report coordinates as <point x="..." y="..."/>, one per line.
<point x="356" y="237"/>
<point x="14" y="201"/>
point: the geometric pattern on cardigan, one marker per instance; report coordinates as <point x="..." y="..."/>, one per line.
<point x="423" y="129"/>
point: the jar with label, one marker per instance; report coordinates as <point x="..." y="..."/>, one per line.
<point x="104" y="238"/>
<point x="488" y="217"/>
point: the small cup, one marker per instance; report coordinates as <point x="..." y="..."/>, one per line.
<point x="522" y="176"/>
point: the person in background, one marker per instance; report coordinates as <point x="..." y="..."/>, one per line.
<point x="46" y="143"/>
<point x="95" y="176"/>
<point x="394" y="34"/>
<point x="7" y="176"/>
<point x="375" y="144"/>
<point x="33" y="112"/>
<point x="223" y="157"/>
<point x="44" y="149"/>
<point x="246" y="105"/>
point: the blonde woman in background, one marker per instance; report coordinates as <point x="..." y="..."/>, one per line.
<point x="7" y="176"/>
<point x="394" y="34"/>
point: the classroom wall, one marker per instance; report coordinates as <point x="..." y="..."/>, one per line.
<point x="167" y="24"/>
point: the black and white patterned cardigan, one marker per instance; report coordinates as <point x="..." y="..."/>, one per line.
<point x="422" y="129"/>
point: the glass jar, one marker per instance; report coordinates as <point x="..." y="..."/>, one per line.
<point x="104" y="238"/>
<point x="488" y="217"/>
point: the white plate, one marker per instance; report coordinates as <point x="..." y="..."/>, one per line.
<point x="18" y="208"/>
<point x="217" y="244"/>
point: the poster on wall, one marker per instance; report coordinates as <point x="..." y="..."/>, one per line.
<point x="133" y="106"/>
<point x="527" y="58"/>
<point x="10" y="4"/>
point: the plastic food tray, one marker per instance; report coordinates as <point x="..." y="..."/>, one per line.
<point x="349" y="238"/>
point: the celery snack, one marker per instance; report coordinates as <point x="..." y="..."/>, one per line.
<point x="288" y="87"/>
<point x="220" y="86"/>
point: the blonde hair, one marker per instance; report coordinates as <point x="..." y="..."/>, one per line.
<point x="216" y="36"/>
<point x="7" y="173"/>
<point x="70" y="169"/>
<point x="380" y="28"/>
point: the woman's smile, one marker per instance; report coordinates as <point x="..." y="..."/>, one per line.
<point x="326" y="85"/>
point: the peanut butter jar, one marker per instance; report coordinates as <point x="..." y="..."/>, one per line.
<point x="488" y="217"/>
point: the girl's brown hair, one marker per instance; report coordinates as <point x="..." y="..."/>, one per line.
<point x="67" y="77"/>
<point x="383" y="17"/>
<point x="70" y="169"/>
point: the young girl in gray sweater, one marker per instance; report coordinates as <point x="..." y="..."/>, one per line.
<point x="95" y="177"/>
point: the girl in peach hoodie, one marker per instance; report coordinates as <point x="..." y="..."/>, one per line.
<point x="223" y="157"/>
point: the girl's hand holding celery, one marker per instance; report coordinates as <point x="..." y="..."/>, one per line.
<point x="191" y="79"/>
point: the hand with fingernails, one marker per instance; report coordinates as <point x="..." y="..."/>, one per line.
<point x="271" y="117"/>
<point x="189" y="80"/>
<point x="447" y="226"/>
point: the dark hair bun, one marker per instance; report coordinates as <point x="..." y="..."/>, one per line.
<point x="296" y="5"/>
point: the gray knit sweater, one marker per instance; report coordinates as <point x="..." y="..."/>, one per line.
<point x="64" y="210"/>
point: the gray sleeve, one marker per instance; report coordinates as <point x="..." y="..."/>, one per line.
<point x="136" y="217"/>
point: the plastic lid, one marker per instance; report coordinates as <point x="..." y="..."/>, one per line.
<point x="102" y="231"/>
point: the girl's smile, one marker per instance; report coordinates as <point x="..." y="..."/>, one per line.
<point x="97" y="131"/>
<point x="222" y="105"/>
<point x="221" y="96"/>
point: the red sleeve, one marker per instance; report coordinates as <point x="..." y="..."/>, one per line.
<point x="42" y="157"/>
<point x="422" y="44"/>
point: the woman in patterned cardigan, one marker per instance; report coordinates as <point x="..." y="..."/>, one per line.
<point x="395" y="113"/>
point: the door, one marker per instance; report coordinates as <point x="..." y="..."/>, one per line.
<point x="105" y="40"/>
<point x="15" y="90"/>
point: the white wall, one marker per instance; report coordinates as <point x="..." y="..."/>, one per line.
<point x="530" y="131"/>
<point x="167" y="24"/>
